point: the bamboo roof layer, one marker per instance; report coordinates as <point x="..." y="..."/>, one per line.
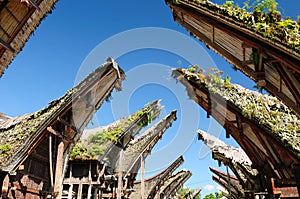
<point x="18" y="136"/>
<point x="273" y="63"/>
<point x="234" y="157"/>
<point x="266" y="129"/>
<point x="153" y="184"/>
<point x="99" y="142"/>
<point x="18" y="20"/>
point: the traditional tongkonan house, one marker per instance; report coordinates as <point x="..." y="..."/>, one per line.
<point x="94" y="171"/>
<point x="152" y="185"/>
<point x="237" y="160"/>
<point x="91" y="168"/>
<point x="18" y="20"/>
<point x="173" y="184"/>
<point x="229" y="182"/>
<point x="266" y="129"/>
<point x="34" y="148"/>
<point x="263" y="46"/>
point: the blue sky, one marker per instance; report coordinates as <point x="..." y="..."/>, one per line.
<point x="49" y="64"/>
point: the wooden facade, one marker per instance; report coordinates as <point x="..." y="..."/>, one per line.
<point x="35" y="147"/>
<point x="18" y="20"/>
<point x="153" y="184"/>
<point x="277" y="68"/>
<point x="275" y="154"/>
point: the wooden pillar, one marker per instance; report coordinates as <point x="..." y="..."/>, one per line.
<point x="79" y="193"/>
<point x="120" y="175"/>
<point x="59" y="170"/>
<point x="70" y="191"/>
<point x="89" y="194"/>
<point x="142" y="177"/>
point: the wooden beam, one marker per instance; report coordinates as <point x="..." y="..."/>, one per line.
<point x="6" y="45"/>
<point x="288" y="81"/>
<point x="61" y="120"/>
<point x="50" y="162"/>
<point x="58" y="134"/>
<point x="59" y="170"/>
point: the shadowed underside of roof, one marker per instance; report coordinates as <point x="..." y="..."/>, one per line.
<point x="264" y="127"/>
<point x="272" y="64"/>
<point x="233" y="157"/>
<point x="174" y="183"/>
<point x="153" y="184"/>
<point x="229" y="182"/>
<point x="19" y="135"/>
<point x="143" y="144"/>
<point x="18" y="20"/>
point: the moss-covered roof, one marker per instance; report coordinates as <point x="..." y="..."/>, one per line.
<point x="271" y="114"/>
<point x="17" y="134"/>
<point x="267" y="25"/>
<point x="100" y="139"/>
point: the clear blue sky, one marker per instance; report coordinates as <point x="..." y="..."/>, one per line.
<point x="50" y="61"/>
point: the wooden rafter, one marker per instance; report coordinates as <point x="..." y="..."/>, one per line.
<point x="289" y="83"/>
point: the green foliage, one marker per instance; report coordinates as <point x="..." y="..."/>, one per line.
<point x="79" y="152"/>
<point x="184" y="191"/>
<point x="209" y="196"/>
<point x="5" y="148"/>
<point x="265" y="5"/>
<point x="214" y="196"/>
<point x="263" y="17"/>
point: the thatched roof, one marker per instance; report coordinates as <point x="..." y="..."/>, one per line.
<point x="249" y="43"/>
<point x="234" y="157"/>
<point x="174" y="183"/>
<point x="282" y="36"/>
<point x="20" y="134"/>
<point x="153" y="184"/>
<point x="264" y="127"/>
<point x="98" y="142"/>
<point x="18" y="20"/>
<point x="144" y="143"/>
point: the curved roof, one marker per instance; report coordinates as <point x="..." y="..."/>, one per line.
<point x="19" y="135"/>
<point x="234" y="157"/>
<point x="144" y="143"/>
<point x="174" y="183"/>
<point x="18" y="20"/>
<point x="153" y="184"/>
<point x="232" y="32"/>
<point x="264" y="127"/>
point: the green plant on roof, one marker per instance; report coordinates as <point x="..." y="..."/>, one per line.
<point x="268" y="111"/>
<point x="5" y="148"/>
<point x="263" y="17"/>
